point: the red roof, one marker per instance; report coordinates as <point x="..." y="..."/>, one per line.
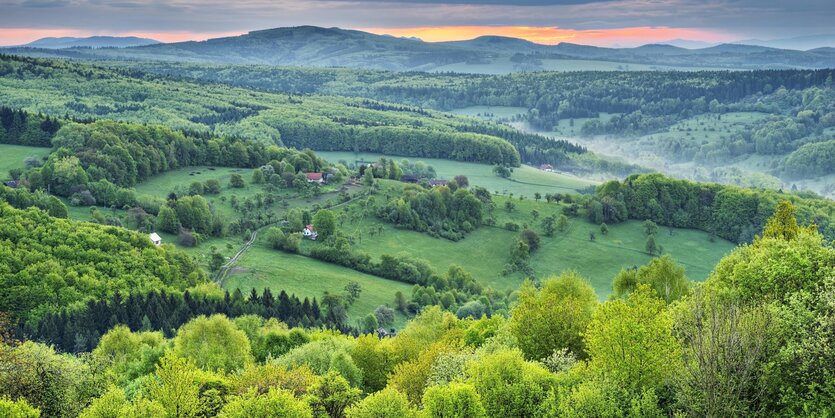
<point x="310" y="228"/>
<point x="314" y="176"/>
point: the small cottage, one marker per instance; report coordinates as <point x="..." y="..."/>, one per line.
<point x="155" y="238"/>
<point x="437" y="182"/>
<point x="310" y="232"/>
<point x="547" y="167"/>
<point x="12" y="183"/>
<point x="315" y="178"/>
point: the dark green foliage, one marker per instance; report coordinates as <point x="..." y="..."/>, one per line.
<point x="19" y="127"/>
<point x="438" y="211"/>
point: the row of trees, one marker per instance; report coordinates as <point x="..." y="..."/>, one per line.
<point x="448" y="212"/>
<point x="733" y="213"/>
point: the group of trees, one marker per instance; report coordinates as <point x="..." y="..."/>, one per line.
<point x="733" y="213"/>
<point x="19" y="127"/>
<point x="444" y="211"/>
<point x="320" y="122"/>
<point x="50" y="263"/>
<point x="79" y="330"/>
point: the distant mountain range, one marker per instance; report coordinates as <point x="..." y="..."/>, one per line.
<point x="334" y="47"/>
<point x="91" y="42"/>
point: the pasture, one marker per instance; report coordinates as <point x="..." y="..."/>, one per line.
<point x="12" y="156"/>
<point x="526" y="180"/>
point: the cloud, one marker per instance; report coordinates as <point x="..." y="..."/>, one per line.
<point x="41" y="4"/>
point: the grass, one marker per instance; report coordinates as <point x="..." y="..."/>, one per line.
<point x="262" y="267"/>
<point x="526" y="180"/>
<point x="12" y="156"/>
<point x="485" y="251"/>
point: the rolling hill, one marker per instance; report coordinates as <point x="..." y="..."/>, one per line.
<point x="91" y="42"/>
<point x="335" y="47"/>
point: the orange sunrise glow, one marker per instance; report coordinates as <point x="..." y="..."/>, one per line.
<point x="554" y="35"/>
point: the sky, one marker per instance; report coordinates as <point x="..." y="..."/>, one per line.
<point x="592" y="22"/>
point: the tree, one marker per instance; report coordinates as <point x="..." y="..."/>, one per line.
<point x="385" y="315"/>
<point x="662" y="274"/>
<point x="554" y="317"/>
<point x="257" y="176"/>
<point x="531" y="238"/>
<point x="236" y="181"/>
<point x="175" y="386"/>
<point x="726" y="345"/>
<point x="509" y="205"/>
<point x="214" y="342"/>
<point x="212" y="186"/>
<point x="17" y="409"/>
<point x="783" y="224"/>
<point x="167" y="220"/>
<point x="501" y="171"/>
<point x="385" y="403"/>
<point x="368" y="178"/>
<point x="216" y="261"/>
<point x="651" y="247"/>
<point x="631" y="343"/>
<point x="508" y="385"/>
<point x="462" y="181"/>
<point x="650" y="227"/>
<point x="562" y="223"/>
<point x="331" y="395"/>
<point x="535" y="214"/>
<point x="352" y="291"/>
<point x="537" y="196"/>
<point x="549" y="224"/>
<point x="325" y="223"/>
<point x="276" y="403"/>
<point x="454" y="400"/>
<point x="604" y="229"/>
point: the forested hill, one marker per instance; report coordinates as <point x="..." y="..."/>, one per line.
<point x="320" y="122"/>
<point x="334" y="47"/>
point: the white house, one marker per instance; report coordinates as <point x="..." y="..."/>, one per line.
<point x="155" y="238"/>
<point x="310" y="232"/>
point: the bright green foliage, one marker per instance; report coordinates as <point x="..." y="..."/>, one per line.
<point x="508" y="385"/>
<point x="783" y="224"/>
<point x="662" y="274"/>
<point x="455" y="400"/>
<point x="45" y="259"/>
<point x="331" y="395"/>
<point x="59" y="385"/>
<point x="167" y="220"/>
<point x="277" y="403"/>
<point x="109" y="405"/>
<point x="590" y="399"/>
<point x="175" y="386"/>
<point x="143" y="408"/>
<point x="17" y="409"/>
<point x="383" y="404"/>
<point x="236" y="181"/>
<point x="215" y="343"/>
<point x="130" y="354"/>
<point x="554" y="317"/>
<point x="374" y="358"/>
<point x="774" y="267"/>
<point x="630" y="342"/>
<point x="325" y="223"/>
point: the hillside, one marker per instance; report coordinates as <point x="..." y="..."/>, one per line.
<point x="93" y="42"/>
<point x="334" y="47"/>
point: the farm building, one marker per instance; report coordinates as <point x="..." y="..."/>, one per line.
<point x="310" y="232"/>
<point x="547" y="167"/>
<point x="315" y="178"/>
<point x="155" y="238"/>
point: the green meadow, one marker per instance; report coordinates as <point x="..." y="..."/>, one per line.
<point x="12" y="156"/>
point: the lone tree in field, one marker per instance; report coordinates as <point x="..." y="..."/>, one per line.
<point x="651" y="246"/>
<point x="650" y="227"/>
<point x="236" y="181"/>
<point x="562" y="223"/>
<point x="549" y="224"/>
<point x="509" y="205"/>
<point x="604" y="229"/>
<point x="462" y="181"/>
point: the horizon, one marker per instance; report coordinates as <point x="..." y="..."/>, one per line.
<point x="627" y="37"/>
<point x="608" y="23"/>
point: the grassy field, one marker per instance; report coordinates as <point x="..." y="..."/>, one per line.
<point x="485" y="251"/>
<point x="262" y="267"/>
<point x="12" y="156"/>
<point x="526" y="180"/>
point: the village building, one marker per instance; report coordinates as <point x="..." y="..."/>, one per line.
<point x="437" y="182"/>
<point x="155" y="238"/>
<point x="547" y="167"/>
<point x="310" y="232"/>
<point x="12" y="183"/>
<point x="315" y="178"/>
